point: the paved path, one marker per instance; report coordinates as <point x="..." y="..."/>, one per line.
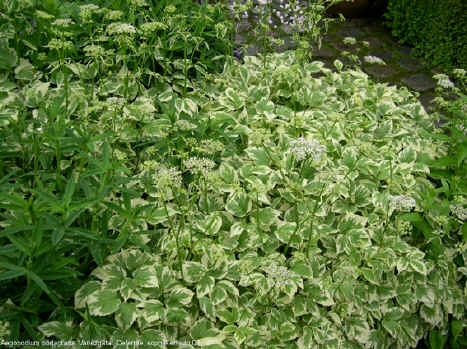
<point x="401" y="69"/>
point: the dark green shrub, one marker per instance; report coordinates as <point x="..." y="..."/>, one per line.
<point x="437" y="29"/>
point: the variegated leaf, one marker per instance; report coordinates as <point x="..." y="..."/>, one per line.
<point x="83" y="293"/>
<point x="126" y="315"/>
<point x="103" y="302"/>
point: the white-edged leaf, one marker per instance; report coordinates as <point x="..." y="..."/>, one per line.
<point x="239" y="204"/>
<point x="180" y="296"/>
<point x="205" y="286"/>
<point x="153" y="310"/>
<point x="146" y="277"/>
<point x="193" y="271"/>
<point x="126" y="315"/>
<point x="61" y="330"/>
<point x="83" y="293"/>
<point x="103" y="302"/>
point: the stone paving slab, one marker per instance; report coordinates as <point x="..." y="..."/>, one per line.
<point x="410" y="64"/>
<point x="374" y="42"/>
<point x="324" y="51"/>
<point x="379" y="71"/>
<point x="385" y="55"/>
<point x="352" y="32"/>
<point x="419" y="82"/>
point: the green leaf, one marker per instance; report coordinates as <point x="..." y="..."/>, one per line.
<point x="265" y="107"/>
<point x="238" y="205"/>
<point x="103" y="302"/>
<point x="8" y="58"/>
<point x="126" y="315"/>
<point x="111" y="274"/>
<point x="267" y="216"/>
<point x="220" y="118"/>
<point x="146" y="277"/>
<point x="302" y="269"/>
<point x="259" y="156"/>
<point x="34" y="277"/>
<point x="457" y="326"/>
<point x="205" y="286"/>
<point x="437" y="340"/>
<point x="242" y="333"/>
<point x="285" y="231"/>
<point x="207" y="307"/>
<point x="153" y="310"/>
<point x="338" y="64"/>
<point x="203" y="328"/>
<point x="193" y="271"/>
<point x="177" y="316"/>
<point x="61" y="330"/>
<point x="218" y="295"/>
<point x="210" y="225"/>
<point x="11" y="274"/>
<point x="227" y="316"/>
<point x="418" y="265"/>
<point x="180" y="296"/>
<point x="25" y="70"/>
<point x="84" y="292"/>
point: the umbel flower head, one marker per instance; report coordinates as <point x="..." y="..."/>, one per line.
<point x="374" y="60"/>
<point x="118" y="28"/>
<point x="401" y="202"/>
<point x="459" y="211"/>
<point x="443" y="81"/>
<point x="302" y="149"/>
<point x="162" y="175"/>
<point x="199" y="165"/>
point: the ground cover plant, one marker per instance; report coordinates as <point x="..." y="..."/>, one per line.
<point x="231" y="211"/>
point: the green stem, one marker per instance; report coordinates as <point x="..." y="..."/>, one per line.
<point x="185" y="66"/>
<point x="315" y="208"/>
<point x="173" y="231"/>
<point x="294" y="233"/>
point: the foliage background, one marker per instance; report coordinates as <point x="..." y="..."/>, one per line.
<point x="437" y="29"/>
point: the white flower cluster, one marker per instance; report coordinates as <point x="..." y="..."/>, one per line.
<point x="168" y="177"/>
<point x="89" y="8"/>
<point x="115" y="103"/>
<point x="94" y="51"/>
<point x="86" y="11"/>
<point x="459" y="72"/>
<point x="113" y="15"/>
<point x="402" y="202"/>
<point x="199" y="165"/>
<point x="58" y="44"/>
<point x="280" y="274"/>
<point x="374" y="60"/>
<point x="443" y="81"/>
<point x="404" y="227"/>
<point x="163" y="176"/>
<point x="459" y="211"/>
<point x="138" y="3"/>
<point x="302" y="148"/>
<point x="209" y="146"/>
<point x="120" y="28"/>
<point x="63" y="22"/>
<point x="151" y="27"/>
<point x="289" y="14"/>
<point x="349" y="40"/>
